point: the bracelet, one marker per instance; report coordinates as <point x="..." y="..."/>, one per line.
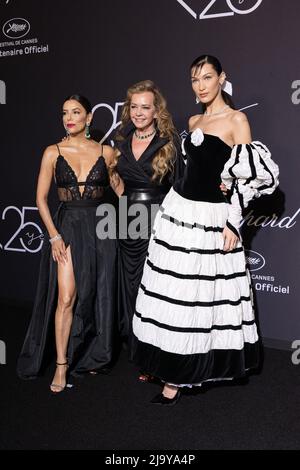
<point x="53" y="239"/>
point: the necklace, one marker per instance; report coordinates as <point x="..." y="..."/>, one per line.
<point x="214" y="114"/>
<point x="144" y="136"/>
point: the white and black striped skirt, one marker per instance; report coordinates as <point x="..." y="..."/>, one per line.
<point x="194" y="317"/>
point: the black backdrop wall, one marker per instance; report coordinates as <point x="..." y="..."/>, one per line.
<point x="98" y="48"/>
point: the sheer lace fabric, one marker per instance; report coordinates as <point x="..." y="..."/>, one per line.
<point x="70" y="189"/>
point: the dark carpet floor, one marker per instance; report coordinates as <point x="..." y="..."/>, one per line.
<point x="112" y="412"/>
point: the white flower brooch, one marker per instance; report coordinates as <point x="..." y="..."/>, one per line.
<point x="197" y="137"/>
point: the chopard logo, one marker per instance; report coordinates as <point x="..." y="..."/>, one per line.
<point x="16" y="28"/>
<point x="239" y="7"/>
<point x="273" y="221"/>
<point x="255" y="260"/>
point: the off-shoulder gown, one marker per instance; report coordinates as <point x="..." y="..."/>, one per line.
<point x="194" y="319"/>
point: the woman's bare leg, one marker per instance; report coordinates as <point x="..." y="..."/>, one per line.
<point x="63" y="319"/>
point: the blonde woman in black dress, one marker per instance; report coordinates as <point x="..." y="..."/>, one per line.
<point x="148" y="162"/>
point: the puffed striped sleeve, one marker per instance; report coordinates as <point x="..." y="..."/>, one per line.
<point x="249" y="173"/>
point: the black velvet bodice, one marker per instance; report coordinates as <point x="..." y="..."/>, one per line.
<point x="202" y="176"/>
<point x="68" y="184"/>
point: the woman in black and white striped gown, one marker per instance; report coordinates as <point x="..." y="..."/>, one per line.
<point x="194" y="317"/>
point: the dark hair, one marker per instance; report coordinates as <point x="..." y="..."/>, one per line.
<point x="82" y="100"/>
<point x="210" y="59"/>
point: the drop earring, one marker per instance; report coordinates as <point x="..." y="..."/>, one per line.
<point x="197" y="100"/>
<point x="227" y="87"/>
<point x="67" y="132"/>
<point x="87" y="131"/>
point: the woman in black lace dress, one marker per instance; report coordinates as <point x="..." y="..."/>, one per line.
<point x="76" y="287"/>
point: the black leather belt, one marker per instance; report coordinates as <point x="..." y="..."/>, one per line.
<point x="143" y="193"/>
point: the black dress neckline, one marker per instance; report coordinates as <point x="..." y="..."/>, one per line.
<point x="212" y="136"/>
<point x="73" y="172"/>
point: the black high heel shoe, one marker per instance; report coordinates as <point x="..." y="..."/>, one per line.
<point x="160" y="399"/>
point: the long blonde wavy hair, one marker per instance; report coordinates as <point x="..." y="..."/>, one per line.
<point x="164" y="159"/>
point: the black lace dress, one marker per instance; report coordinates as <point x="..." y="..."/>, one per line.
<point x="94" y="261"/>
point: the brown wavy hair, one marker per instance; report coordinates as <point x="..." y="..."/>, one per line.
<point x="164" y="159"/>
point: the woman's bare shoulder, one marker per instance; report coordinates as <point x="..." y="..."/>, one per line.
<point x="240" y="128"/>
<point x="108" y="153"/>
<point x="194" y="119"/>
<point x="238" y="117"/>
<point x="51" y="152"/>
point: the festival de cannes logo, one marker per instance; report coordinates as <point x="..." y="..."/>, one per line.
<point x="255" y="260"/>
<point x="16" y="28"/>
<point x="208" y="9"/>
